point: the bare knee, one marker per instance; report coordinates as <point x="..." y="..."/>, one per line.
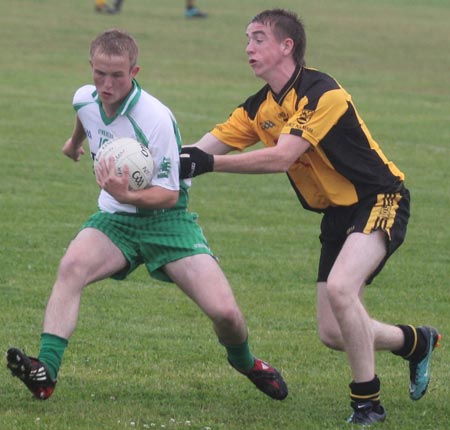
<point x="333" y="304"/>
<point x="228" y="317"/>
<point x="71" y="270"/>
<point x="339" y="295"/>
<point x="229" y="325"/>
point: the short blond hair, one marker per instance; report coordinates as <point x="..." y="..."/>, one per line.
<point x="115" y="42"/>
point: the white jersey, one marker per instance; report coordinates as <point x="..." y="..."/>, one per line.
<point x="143" y="118"/>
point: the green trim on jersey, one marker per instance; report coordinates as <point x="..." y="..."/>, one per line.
<point x="124" y="108"/>
<point x="140" y="135"/>
<point x="176" y="130"/>
<point x="183" y="198"/>
<point x="78" y="106"/>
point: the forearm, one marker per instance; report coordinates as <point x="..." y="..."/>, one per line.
<point x="78" y="133"/>
<point x="273" y="159"/>
<point x="208" y="155"/>
<point x="73" y="147"/>
<point x="267" y="160"/>
<point x="150" y="198"/>
<point x="210" y="144"/>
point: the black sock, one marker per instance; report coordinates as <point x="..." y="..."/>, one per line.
<point x="361" y="392"/>
<point x="415" y="343"/>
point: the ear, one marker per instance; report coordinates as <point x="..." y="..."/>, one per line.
<point x="135" y="71"/>
<point x="287" y="46"/>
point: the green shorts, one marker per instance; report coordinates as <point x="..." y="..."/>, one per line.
<point x="153" y="240"/>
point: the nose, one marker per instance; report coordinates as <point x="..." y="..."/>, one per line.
<point x="108" y="81"/>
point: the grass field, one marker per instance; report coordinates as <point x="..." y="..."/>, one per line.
<point x="143" y="356"/>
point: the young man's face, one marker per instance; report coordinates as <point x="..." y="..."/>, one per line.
<point x="264" y="51"/>
<point x="112" y="77"/>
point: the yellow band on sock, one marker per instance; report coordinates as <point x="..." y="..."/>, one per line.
<point x="414" y="343"/>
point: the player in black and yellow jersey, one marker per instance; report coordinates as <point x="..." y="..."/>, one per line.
<point x="312" y="131"/>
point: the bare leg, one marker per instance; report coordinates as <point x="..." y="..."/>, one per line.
<point x="201" y="278"/>
<point x="358" y="258"/>
<point x="387" y="337"/>
<point x="90" y="257"/>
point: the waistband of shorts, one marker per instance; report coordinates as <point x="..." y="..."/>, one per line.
<point x="143" y="213"/>
<point x="397" y="188"/>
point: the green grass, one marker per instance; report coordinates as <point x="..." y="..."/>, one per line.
<point x="143" y="356"/>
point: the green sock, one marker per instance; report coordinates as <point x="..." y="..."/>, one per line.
<point x="51" y="352"/>
<point x="240" y="355"/>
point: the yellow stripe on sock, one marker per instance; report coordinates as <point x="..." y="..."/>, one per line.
<point x="374" y="396"/>
<point x="414" y="343"/>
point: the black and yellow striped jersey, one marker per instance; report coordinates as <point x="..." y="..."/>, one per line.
<point x="344" y="163"/>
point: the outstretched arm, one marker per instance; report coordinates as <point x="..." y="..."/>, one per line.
<point x="279" y="158"/>
<point x="274" y="159"/>
<point x="210" y="144"/>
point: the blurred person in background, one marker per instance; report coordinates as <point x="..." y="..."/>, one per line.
<point x="102" y="6"/>
<point x="192" y="11"/>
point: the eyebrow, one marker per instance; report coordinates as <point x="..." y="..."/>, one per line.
<point x="256" y="33"/>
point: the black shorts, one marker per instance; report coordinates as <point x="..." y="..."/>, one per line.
<point x="386" y="212"/>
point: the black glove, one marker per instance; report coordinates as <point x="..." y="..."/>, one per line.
<point x="194" y="162"/>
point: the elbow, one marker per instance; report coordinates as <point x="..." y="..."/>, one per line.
<point x="280" y="160"/>
<point x="282" y="166"/>
<point x="285" y="167"/>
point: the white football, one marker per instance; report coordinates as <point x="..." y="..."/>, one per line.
<point x="129" y="152"/>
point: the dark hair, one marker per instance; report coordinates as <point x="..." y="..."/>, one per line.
<point x="116" y="42"/>
<point x="285" y="24"/>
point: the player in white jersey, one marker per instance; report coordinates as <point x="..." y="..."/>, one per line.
<point x="142" y="117"/>
<point x="150" y="227"/>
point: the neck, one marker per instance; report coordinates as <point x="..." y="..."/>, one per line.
<point x="110" y="110"/>
<point x="280" y="77"/>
